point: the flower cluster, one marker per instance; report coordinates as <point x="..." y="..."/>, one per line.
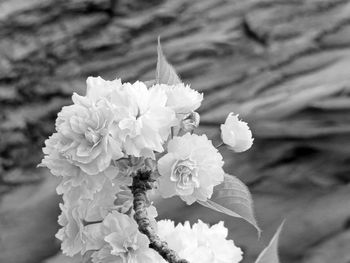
<point x="117" y="129"/>
<point x="200" y="243"/>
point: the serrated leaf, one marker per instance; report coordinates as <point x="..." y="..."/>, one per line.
<point x="165" y="73"/>
<point x="233" y="198"/>
<point x="270" y="253"/>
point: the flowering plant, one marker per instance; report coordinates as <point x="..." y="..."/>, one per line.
<point x="122" y="139"/>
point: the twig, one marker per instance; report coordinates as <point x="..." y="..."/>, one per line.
<point x="142" y="182"/>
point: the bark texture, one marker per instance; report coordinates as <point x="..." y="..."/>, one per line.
<point x="283" y="65"/>
<point x="142" y="182"/>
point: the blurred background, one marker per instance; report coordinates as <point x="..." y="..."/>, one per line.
<point x="282" y="65"/>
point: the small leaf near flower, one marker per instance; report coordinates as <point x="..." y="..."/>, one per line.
<point x="270" y="253"/>
<point x="233" y="198"/>
<point x="165" y="73"/>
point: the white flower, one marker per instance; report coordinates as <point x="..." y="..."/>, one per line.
<point x="124" y="201"/>
<point x="190" y="169"/>
<point x="201" y="243"/>
<point x="184" y="101"/>
<point x="181" y="97"/>
<point x="236" y="134"/>
<point x="55" y="161"/>
<point x="72" y="232"/>
<point x="86" y="135"/>
<point x="73" y="176"/>
<point x="98" y="207"/>
<point x="98" y="88"/>
<point x="86" y="185"/>
<point x="94" y="206"/>
<point x="117" y="240"/>
<point x="144" y="121"/>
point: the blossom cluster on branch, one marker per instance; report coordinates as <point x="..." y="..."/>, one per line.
<point x="105" y="138"/>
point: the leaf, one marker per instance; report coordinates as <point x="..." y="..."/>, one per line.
<point x="270" y="253"/>
<point x="233" y="198"/>
<point x="165" y="73"/>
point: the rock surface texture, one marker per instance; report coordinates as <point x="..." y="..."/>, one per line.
<point x="283" y="65"/>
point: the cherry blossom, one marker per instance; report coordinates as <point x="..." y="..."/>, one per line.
<point x="143" y="119"/>
<point x="86" y="135"/>
<point x="190" y="169"/>
<point x="201" y="243"/>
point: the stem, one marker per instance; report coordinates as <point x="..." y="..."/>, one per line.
<point x="142" y="182"/>
<point x="219" y="145"/>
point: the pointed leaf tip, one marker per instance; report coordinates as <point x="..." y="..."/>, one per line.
<point x="165" y="72"/>
<point x="233" y="198"/>
<point x="270" y="253"/>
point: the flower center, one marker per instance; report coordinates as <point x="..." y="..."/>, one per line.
<point x="184" y="173"/>
<point x="92" y="136"/>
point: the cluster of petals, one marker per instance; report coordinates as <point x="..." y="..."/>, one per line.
<point x="201" y="243"/>
<point x="190" y="169"/>
<point x="73" y="177"/>
<point x="71" y="232"/>
<point x="86" y="131"/>
<point x="181" y="98"/>
<point x="143" y="120"/>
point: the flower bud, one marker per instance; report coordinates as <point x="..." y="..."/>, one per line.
<point x="236" y="134"/>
